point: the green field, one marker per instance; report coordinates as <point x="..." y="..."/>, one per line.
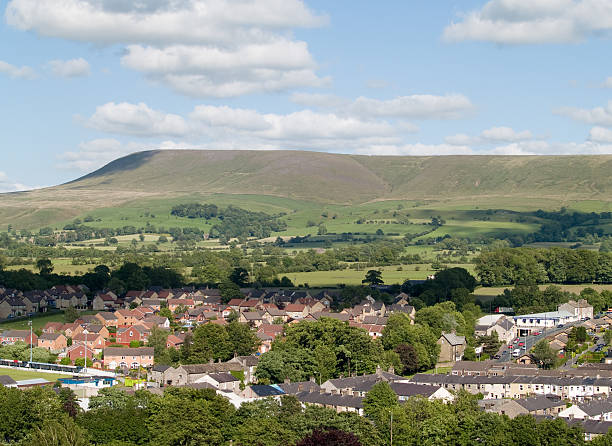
<point x="38" y="322"/>
<point x="20" y="374"/>
<point x="353" y="277"/>
<point x="486" y="293"/>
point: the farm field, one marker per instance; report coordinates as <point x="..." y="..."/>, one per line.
<point x="490" y="292"/>
<point x="19" y="374"/>
<point x="390" y="275"/>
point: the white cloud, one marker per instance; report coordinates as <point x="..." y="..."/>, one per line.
<point x="424" y="106"/>
<point x="490" y="136"/>
<point x="8" y="185"/>
<point x="595" y="116"/>
<point x="15" y="72"/>
<point x="199" y="48"/>
<point x="600" y="134"/>
<point x="534" y="21"/>
<point x="415" y="107"/>
<point x="69" y="68"/>
<point x="136" y="119"/>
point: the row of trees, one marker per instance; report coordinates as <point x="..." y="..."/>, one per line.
<point x="182" y="416"/>
<point x="557" y="265"/>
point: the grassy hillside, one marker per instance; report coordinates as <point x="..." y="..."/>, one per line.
<point x="307" y="184"/>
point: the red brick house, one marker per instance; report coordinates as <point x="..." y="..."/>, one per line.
<point x="12" y="336"/>
<point x="52" y="327"/>
<point x="128" y="358"/>
<point x="139" y="333"/>
<point x="127" y="317"/>
<point x="54" y="342"/>
<point x="92" y="340"/>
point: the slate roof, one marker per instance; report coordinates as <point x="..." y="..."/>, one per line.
<point x="264" y="391"/>
<point x="295" y="388"/>
<point x="329" y="399"/>
<point x="223" y="377"/>
<point x="540" y="402"/>
<point x="119" y="351"/>
<point x="453" y="339"/>
<point x="6" y="380"/>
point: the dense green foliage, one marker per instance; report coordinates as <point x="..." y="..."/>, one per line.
<point x="556" y="265"/>
<point x="183" y="416"/>
<point x="323" y="349"/>
<point x="232" y="221"/>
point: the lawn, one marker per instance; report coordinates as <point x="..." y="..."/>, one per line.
<point x="38" y="322"/>
<point x="20" y="374"/>
<point x="390" y="275"/>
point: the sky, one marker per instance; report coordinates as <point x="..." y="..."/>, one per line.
<point x="83" y="82"/>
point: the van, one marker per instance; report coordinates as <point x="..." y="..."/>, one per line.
<point x="516" y="353"/>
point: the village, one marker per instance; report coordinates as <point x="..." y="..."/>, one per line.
<point x="107" y="346"/>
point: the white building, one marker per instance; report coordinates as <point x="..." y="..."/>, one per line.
<point x="528" y="323"/>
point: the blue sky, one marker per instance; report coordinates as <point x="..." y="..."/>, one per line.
<point x="85" y="81"/>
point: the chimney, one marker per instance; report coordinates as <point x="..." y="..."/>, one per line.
<point x="312" y="379"/>
<point x="287" y="381"/>
<point x="300" y="387"/>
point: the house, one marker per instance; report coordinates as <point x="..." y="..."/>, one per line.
<point x="451" y="347"/>
<point x="76" y="351"/>
<point x="363" y="382"/>
<point x="221" y="381"/>
<point x="107" y="318"/>
<point x="103" y="301"/>
<point x="262" y="391"/>
<point x="508" y="407"/>
<point x="600" y="410"/>
<point x="581" y="308"/>
<point x="52" y="327"/>
<point x="528" y="323"/>
<point x="248" y="364"/>
<point x="253" y="318"/>
<point x="12" y="336"/>
<point x="297" y="311"/>
<point x="174" y="341"/>
<point x="134" y="333"/>
<point x="53" y="342"/>
<point x="128" y="358"/>
<point x="340" y="403"/>
<point x="128" y="317"/>
<point x="543" y="404"/>
<point x="71" y="329"/>
<point x="98" y="329"/>
<point x="157" y="321"/>
<point x="173" y="304"/>
<point x="189" y="373"/>
<point x="93" y="341"/>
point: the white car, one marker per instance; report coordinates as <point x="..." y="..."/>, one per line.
<point x="516" y="353"/>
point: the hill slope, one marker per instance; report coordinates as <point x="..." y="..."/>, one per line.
<point x="316" y="177"/>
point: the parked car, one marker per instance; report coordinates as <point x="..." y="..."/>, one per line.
<point x="536" y="333"/>
<point x="516" y="353"/>
<point x="496" y="356"/>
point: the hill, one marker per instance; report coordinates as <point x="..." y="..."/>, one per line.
<point x="320" y="178"/>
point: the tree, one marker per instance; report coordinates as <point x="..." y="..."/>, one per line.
<point x="379" y="400"/>
<point x="229" y="291"/>
<point x="373" y="277"/>
<point x="69" y="402"/>
<point x="70" y="314"/>
<point x="322" y="229"/>
<point x="330" y="437"/>
<point x="240" y="277"/>
<point x="44" y="266"/>
<point x="242" y="339"/>
<point x="409" y="358"/>
<point x="61" y="432"/>
<point x="543" y="354"/>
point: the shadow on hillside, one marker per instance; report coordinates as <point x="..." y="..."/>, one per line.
<point x="127" y="163"/>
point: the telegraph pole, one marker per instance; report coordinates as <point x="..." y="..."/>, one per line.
<point x="391" y="426"/>
<point x="85" y="332"/>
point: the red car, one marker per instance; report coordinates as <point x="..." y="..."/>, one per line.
<point x="521" y="344"/>
<point x="536" y="333"/>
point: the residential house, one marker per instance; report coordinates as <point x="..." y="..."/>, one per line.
<point x="53" y="342"/>
<point x="173" y="304"/>
<point x="253" y="318"/>
<point x="223" y="381"/>
<point x="297" y="311"/>
<point x="508" y="407"/>
<point x="174" y="341"/>
<point x="128" y="317"/>
<point x="189" y="373"/>
<point x="134" y="333"/>
<point x="93" y="341"/>
<point x="262" y="391"/>
<point x="12" y="336"/>
<point x="128" y="358"/>
<point x="107" y="318"/>
<point x="337" y="402"/>
<point x="451" y="347"/>
<point x="52" y="327"/>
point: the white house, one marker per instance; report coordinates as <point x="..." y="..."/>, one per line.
<point x="527" y="323"/>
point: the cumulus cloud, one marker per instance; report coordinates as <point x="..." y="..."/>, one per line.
<point x="535" y="21"/>
<point x="9" y="185"/>
<point x="490" y="136"/>
<point x="199" y="48"/>
<point x="69" y="68"/>
<point x="424" y="106"/>
<point x="15" y="72"/>
<point x="596" y="116"/>
<point x="600" y="134"/>
<point x="136" y="119"/>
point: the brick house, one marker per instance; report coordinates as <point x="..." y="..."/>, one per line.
<point x="12" y="336"/>
<point x="54" y="342"/>
<point x="128" y="358"/>
<point x="451" y="347"/>
<point x="107" y="318"/>
<point x="137" y="333"/>
<point x="92" y="340"/>
<point x="52" y="327"/>
<point x="127" y="317"/>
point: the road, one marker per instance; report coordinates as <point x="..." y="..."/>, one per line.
<point x="505" y="353"/>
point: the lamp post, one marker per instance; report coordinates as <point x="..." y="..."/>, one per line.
<point x="85" y="332"/>
<point x="30" y="324"/>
